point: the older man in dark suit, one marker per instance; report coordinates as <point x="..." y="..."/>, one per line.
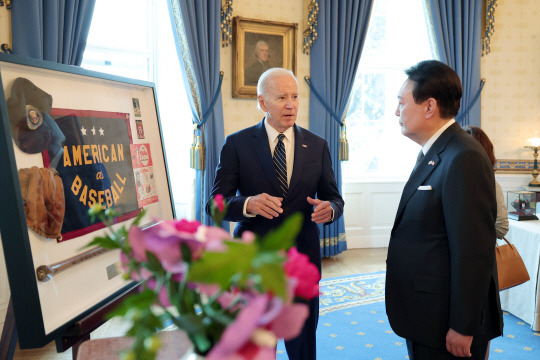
<point x="441" y="287"/>
<point x="274" y="169"/>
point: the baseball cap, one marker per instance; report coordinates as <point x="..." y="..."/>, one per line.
<point x="32" y="128"/>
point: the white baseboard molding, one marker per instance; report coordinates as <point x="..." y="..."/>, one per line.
<point x="366" y="242"/>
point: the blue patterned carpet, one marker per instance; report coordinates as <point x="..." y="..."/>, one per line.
<point x="353" y="325"/>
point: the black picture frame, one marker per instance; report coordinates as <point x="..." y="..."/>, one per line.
<point x="75" y="88"/>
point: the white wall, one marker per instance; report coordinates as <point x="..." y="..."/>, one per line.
<point x="511" y="95"/>
<point x="370" y="208"/>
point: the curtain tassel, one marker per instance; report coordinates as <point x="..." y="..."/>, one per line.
<point x="199" y="154"/>
<point x="192" y="161"/>
<point x="343" y="145"/>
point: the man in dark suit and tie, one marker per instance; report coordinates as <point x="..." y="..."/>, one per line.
<point x="441" y="282"/>
<point x="274" y="169"/>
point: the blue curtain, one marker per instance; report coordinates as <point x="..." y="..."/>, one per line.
<point x="342" y="29"/>
<point x="53" y="30"/>
<point x="457" y="26"/>
<point x="196" y="27"/>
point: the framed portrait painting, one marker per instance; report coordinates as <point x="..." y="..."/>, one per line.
<point x="257" y="46"/>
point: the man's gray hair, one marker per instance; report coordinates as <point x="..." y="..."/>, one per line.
<point x="268" y="76"/>
<point x="259" y="44"/>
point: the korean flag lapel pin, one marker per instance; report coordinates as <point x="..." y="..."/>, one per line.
<point x="304" y="146"/>
<point x="431" y="162"/>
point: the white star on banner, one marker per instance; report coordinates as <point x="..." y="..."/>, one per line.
<point x="101" y="131"/>
<point x="93" y="130"/>
<point x="83" y="131"/>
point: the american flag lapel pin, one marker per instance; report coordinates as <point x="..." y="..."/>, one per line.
<point x="431" y="162"/>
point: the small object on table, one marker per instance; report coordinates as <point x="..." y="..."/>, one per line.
<point x="521" y="205"/>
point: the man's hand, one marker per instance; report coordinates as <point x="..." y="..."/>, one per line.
<point x="264" y="205"/>
<point x="322" y="212"/>
<point x="458" y="344"/>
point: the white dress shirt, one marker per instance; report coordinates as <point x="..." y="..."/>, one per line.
<point x="435" y="136"/>
<point x="288" y="141"/>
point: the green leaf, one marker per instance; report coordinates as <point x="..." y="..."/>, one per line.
<point x="220" y="267"/>
<point x="138" y="218"/>
<point x="268" y="257"/>
<point x="142" y="300"/>
<point x="193" y="325"/>
<point x="273" y="279"/>
<point x="283" y="237"/>
<point x="185" y="250"/>
<point x="153" y="264"/>
<point x="105" y="242"/>
<point x="217" y="314"/>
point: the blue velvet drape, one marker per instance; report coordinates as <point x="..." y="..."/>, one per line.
<point x="342" y="29"/>
<point x="457" y="26"/>
<point x="196" y="27"/>
<point x="53" y="30"/>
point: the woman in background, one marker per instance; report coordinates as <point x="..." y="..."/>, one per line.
<point x="501" y="223"/>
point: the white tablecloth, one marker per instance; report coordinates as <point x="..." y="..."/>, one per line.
<point x="523" y="300"/>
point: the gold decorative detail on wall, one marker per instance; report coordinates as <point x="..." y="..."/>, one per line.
<point x="7" y="3"/>
<point x="226" y="22"/>
<point x="514" y="166"/>
<point x="5" y="48"/>
<point x="310" y="24"/>
<point x="488" y="22"/>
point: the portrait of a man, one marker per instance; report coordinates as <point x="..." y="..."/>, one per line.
<point x="261" y="53"/>
<point x="260" y="45"/>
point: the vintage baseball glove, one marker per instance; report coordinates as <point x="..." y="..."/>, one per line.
<point x="43" y="196"/>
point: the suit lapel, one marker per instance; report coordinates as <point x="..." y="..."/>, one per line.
<point x="428" y="164"/>
<point x="261" y="147"/>
<point x="300" y="156"/>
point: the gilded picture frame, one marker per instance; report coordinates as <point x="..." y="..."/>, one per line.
<point x="257" y="46"/>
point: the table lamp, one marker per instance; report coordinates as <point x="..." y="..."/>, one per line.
<point x="535" y="146"/>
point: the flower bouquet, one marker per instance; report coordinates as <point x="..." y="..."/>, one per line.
<point x="234" y="298"/>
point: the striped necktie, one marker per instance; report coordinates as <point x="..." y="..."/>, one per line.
<point x="418" y="159"/>
<point x="280" y="164"/>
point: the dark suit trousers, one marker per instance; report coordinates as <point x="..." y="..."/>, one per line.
<point x="421" y="352"/>
<point x="304" y="346"/>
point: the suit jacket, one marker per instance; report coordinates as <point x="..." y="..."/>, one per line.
<point x="441" y="270"/>
<point x="254" y="71"/>
<point x="246" y="169"/>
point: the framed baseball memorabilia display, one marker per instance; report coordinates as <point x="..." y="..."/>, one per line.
<point x="69" y="139"/>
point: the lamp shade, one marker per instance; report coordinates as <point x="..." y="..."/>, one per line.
<point x="535" y="141"/>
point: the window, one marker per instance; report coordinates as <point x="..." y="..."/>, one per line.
<point x="397" y="38"/>
<point x="134" y="39"/>
<point x="121" y="38"/>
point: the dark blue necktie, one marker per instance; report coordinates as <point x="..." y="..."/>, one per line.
<point x="418" y="159"/>
<point x="280" y="164"/>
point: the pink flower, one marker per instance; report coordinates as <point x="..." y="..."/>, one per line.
<point x="237" y="334"/>
<point x="254" y="333"/>
<point x="288" y="324"/>
<point x="186" y="226"/>
<point x="298" y="266"/>
<point x="218" y="201"/>
<point x="248" y="237"/>
<point x="164" y="240"/>
<point x="213" y="238"/>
